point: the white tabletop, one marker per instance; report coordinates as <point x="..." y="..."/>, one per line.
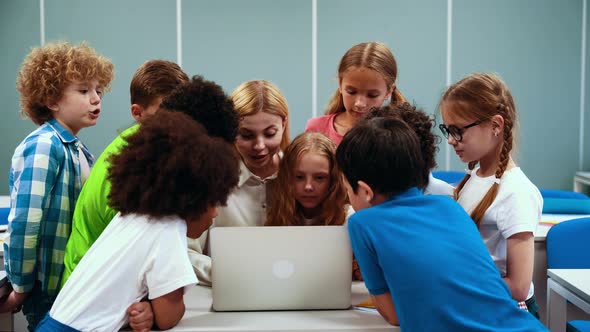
<point x="548" y="220"/>
<point x="576" y="281"/>
<point x="200" y="317"/>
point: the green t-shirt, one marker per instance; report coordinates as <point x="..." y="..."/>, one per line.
<point x="92" y="213"/>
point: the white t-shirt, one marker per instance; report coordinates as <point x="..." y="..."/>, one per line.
<point x="135" y="256"/>
<point x="438" y="187"/>
<point x="247" y="204"/>
<point x="516" y="209"/>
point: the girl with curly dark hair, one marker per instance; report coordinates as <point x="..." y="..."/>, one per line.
<point x="166" y="183"/>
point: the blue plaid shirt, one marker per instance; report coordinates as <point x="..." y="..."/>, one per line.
<point x="45" y="180"/>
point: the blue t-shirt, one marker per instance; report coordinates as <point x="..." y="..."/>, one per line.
<point x="427" y="252"/>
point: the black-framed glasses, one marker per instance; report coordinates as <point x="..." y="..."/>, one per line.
<point x="456" y="132"/>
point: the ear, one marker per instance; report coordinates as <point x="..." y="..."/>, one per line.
<point x="497" y="124"/>
<point x="391" y="89"/>
<point x="285" y="120"/>
<point x="137" y="112"/>
<point x="365" y="192"/>
<point x="53" y="107"/>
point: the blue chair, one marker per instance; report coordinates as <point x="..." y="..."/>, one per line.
<point x="568" y="248"/>
<point x="4" y="215"/>
<point x="553" y="193"/>
<point x="451" y="177"/>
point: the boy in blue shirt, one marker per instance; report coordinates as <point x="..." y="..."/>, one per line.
<point x="419" y="255"/>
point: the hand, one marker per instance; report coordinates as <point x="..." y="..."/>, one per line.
<point x="356" y="271"/>
<point x="13" y="302"/>
<point x="141" y="316"/>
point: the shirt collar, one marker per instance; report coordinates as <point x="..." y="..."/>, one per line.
<point x="246" y="175"/>
<point x="412" y="192"/>
<point x="64" y="135"/>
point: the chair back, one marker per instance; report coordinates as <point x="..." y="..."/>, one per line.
<point x="568" y="245"/>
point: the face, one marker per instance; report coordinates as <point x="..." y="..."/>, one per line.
<point x="79" y="107"/>
<point x="359" y="199"/>
<point x="363" y="89"/>
<point x="311" y="180"/>
<point x="479" y="141"/>
<point x="196" y="227"/>
<point x="259" y="139"/>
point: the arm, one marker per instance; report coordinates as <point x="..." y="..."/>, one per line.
<point x="519" y="264"/>
<point x="34" y="171"/>
<point x="386" y="308"/>
<point x="168" y="309"/>
<point x="201" y="263"/>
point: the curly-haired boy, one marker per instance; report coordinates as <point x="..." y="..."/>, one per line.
<point x="61" y="87"/>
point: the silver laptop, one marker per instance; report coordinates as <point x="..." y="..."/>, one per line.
<point x="280" y="268"/>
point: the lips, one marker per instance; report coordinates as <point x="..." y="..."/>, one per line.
<point x="94" y="114"/>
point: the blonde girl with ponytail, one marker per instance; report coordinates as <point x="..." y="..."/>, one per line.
<point x="479" y="121"/>
<point x="366" y="78"/>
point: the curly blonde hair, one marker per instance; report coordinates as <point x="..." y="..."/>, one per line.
<point x="47" y="71"/>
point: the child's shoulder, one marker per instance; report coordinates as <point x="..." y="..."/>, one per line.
<point x="320" y="122"/>
<point x="515" y="182"/>
<point x="40" y="141"/>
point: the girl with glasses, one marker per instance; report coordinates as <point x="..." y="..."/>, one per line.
<point x="479" y="116"/>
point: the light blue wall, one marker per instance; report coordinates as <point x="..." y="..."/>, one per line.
<point x="534" y="44"/>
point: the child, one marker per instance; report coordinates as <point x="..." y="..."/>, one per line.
<point x="366" y="79"/>
<point x="420" y="256"/>
<point x="182" y="174"/>
<point x="61" y="87"/>
<point x="152" y="81"/>
<point x="479" y="117"/>
<point x="262" y="135"/>
<point x="308" y="189"/>
<point x="422" y="125"/>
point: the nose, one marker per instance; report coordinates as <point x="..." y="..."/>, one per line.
<point x="451" y="140"/>
<point x="213" y="212"/>
<point x="308" y="186"/>
<point x="259" y="144"/>
<point x="360" y="102"/>
<point x="94" y="98"/>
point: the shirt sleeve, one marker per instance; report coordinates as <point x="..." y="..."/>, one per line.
<point x="35" y="168"/>
<point x="366" y="256"/>
<point x="171" y="268"/>
<point x="520" y="212"/>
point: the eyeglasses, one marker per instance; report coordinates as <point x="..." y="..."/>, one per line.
<point x="456" y="132"/>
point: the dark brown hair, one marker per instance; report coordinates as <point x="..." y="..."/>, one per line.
<point x="420" y="122"/>
<point x="170" y="166"/>
<point x="205" y="102"/>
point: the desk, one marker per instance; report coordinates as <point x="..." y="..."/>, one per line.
<point x="566" y="285"/>
<point x="199" y="317"/>
<point x="581" y="178"/>
<point x="540" y="268"/>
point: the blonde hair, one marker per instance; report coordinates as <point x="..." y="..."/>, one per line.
<point x="262" y="96"/>
<point x="284" y="208"/>
<point x="375" y="56"/>
<point x="480" y="96"/>
<point x="47" y="71"/>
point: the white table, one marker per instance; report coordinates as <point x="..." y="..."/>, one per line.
<point x="565" y="285"/>
<point x="580" y="179"/>
<point x="200" y="317"/>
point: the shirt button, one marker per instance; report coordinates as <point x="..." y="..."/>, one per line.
<point x="264" y="206"/>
